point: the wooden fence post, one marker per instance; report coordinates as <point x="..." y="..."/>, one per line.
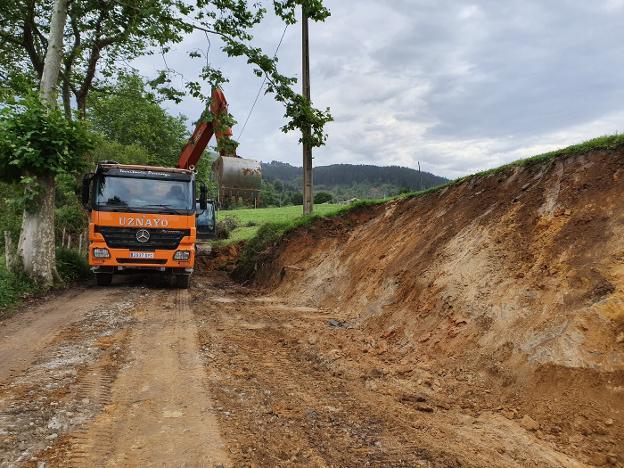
<point x="9" y="256"/>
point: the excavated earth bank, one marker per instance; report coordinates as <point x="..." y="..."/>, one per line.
<point x="512" y="281"/>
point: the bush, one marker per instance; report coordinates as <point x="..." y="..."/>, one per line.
<point x="323" y="197"/>
<point x="225" y="227"/>
<point x="13" y="287"/>
<point x="297" y="199"/>
<point x="266" y="236"/>
<point x="10" y="212"/>
<point x="71" y="265"/>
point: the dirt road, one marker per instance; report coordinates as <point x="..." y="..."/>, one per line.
<point x="224" y="376"/>
<point x="106" y="377"/>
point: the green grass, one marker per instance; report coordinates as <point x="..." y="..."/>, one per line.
<point x="261" y="216"/>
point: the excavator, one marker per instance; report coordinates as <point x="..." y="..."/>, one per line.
<point x="148" y="218"/>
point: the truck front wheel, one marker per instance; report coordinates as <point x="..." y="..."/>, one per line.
<point x="183" y="281"/>
<point x="103" y="279"/>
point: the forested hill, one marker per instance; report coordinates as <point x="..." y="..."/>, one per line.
<point x="345" y="175"/>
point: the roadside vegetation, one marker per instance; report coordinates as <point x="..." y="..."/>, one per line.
<point x="602" y="143"/>
<point x="247" y="222"/>
<point x="14" y="287"/>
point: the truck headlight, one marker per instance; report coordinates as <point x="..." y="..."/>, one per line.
<point x="101" y="253"/>
<point x="182" y="255"/>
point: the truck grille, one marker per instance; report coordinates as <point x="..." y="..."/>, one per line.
<point x="125" y="238"/>
<point x="145" y="261"/>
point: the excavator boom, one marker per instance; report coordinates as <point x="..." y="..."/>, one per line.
<point x="190" y="155"/>
<point x="238" y="179"/>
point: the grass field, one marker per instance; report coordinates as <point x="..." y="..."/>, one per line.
<point x="261" y="216"/>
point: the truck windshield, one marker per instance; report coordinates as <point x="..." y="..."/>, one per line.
<point x="144" y="195"/>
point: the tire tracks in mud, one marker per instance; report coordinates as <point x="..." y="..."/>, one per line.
<point x="293" y="389"/>
<point x="47" y="399"/>
<point x="121" y="385"/>
<point x="156" y="410"/>
<point x="27" y="334"/>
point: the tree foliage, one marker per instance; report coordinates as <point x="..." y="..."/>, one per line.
<point x="99" y="35"/>
<point x="103" y="36"/>
<point x="323" y="197"/>
<point x="130" y="115"/>
<point x="37" y="140"/>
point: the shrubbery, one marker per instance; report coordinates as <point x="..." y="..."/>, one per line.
<point x="71" y="265"/>
<point x="13" y="287"/>
<point x="225" y="227"/>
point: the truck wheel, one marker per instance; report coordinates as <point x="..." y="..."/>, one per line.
<point x="103" y="279"/>
<point x="183" y="281"/>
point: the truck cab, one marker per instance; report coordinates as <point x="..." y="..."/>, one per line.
<point x="141" y="218"/>
<point x="206" y="221"/>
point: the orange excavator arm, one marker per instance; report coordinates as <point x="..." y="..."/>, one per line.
<point x="190" y="155"/>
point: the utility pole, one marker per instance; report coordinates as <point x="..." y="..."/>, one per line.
<point x="308" y="199"/>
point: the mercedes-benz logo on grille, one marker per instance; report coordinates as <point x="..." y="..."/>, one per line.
<point x="142" y="236"/>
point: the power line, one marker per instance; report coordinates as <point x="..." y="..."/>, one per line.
<point x="261" y="86"/>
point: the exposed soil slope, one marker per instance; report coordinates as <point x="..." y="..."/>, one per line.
<point x="514" y="279"/>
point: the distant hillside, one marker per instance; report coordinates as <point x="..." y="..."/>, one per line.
<point x="349" y="180"/>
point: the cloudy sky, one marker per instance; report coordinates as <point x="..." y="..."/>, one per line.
<point x="459" y="86"/>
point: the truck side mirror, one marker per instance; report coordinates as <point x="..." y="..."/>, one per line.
<point x="86" y="190"/>
<point x="203" y="196"/>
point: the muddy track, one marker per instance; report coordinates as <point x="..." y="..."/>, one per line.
<point x="227" y="376"/>
<point x="118" y="383"/>
<point x="293" y="386"/>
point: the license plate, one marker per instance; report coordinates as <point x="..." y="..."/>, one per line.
<point x="141" y="254"/>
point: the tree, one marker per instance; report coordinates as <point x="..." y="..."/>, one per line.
<point x="129" y="115"/>
<point x="36" y="248"/>
<point x="97" y="31"/>
<point x="323" y="197"/>
<point x="103" y="35"/>
<point x="37" y="143"/>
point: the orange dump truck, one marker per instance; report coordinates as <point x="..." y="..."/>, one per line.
<point x="147" y="218"/>
<point x="142" y="218"/>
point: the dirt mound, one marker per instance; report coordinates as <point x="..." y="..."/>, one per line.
<point x="525" y="265"/>
<point x="218" y="257"/>
<point x="515" y="277"/>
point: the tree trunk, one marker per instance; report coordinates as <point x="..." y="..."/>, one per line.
<point x="36" y="243"/>
<point x="54" y="54"/>
<point x="36" y="247"/>
<point x="81" y="104"/>
<point x="67" y="99"/>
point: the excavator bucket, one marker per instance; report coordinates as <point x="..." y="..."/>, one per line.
<point x="238" y="179"/>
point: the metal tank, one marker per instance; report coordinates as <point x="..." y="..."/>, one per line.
<point x="238" y="179"/>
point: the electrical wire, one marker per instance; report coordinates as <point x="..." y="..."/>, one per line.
<point x="261" y="86"/>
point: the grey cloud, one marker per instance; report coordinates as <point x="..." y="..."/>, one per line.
<point x="459" y="86"/>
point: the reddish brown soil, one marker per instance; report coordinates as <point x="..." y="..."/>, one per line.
<point x="510" y="286"/>
<point x="221" y="257"/>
